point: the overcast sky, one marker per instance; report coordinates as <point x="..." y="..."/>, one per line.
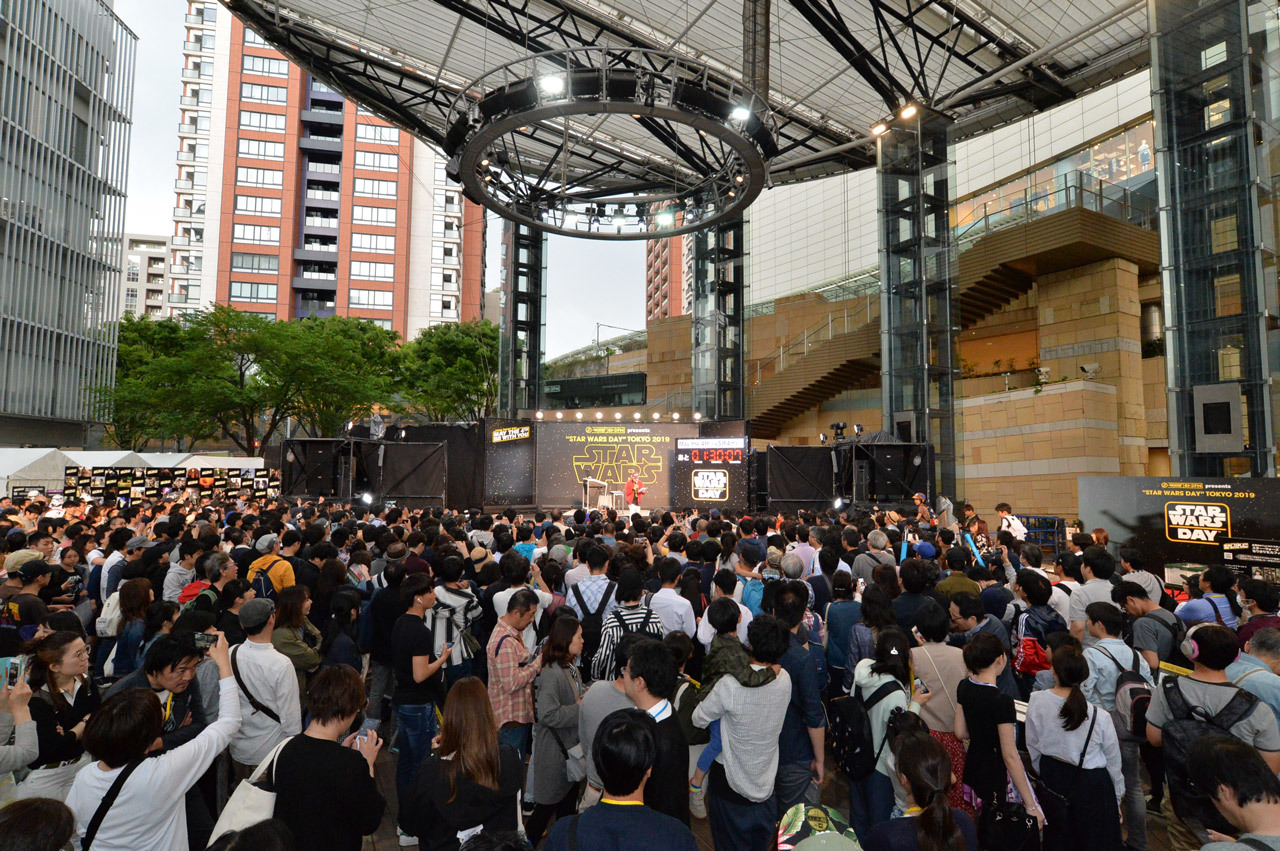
<point x="587" y="281"/>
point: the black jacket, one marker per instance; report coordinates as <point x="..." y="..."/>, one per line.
<point x="172" y="734"/>
<point x="668" y="788"/>
<point x="435" y="820"/>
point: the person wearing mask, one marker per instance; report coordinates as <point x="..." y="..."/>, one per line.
<point x="235" y="593"/>
<point x="558" y="693"/>
<point x="1097" y="567"/>
<point x="740" y="796"/>
<point x="624" y="751"/>
<point x="148" y="813"/>
<point x="1259" y="599"/>
<point x="889" y="674"/>
<point x="649" y="680"/>
<point x="63" y="699"/>
<point x="1243" y="789"/>
<point x="941" y="668"/>
<point x="986" y="721"/>
<point x="1108" y="658"/>
<point x="802" y="742"/>
<point x="267" y="687"/>
<point x="1073" y="746"/>
<point x="928" y="823"/>
<point x="295" y="636"/>
<point x="324" y="779"/>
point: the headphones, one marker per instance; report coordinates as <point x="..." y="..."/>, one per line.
<point x="1188" y="646"/>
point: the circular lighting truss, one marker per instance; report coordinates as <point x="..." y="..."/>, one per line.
<point x="608" y="143"/>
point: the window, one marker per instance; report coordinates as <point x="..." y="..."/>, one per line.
<point x="376" y="243"/>
<point x="444" y="307"/>
<point x="441" y="174"/>
<point x="259" y="264"/>
<point x="268" y="122"/>
<point x="369" y="299"/>
<point x="376" y="133"/>
<point x="252" y="38"/>
<point x="134" y="270"/>
<point x="266" y="67"/>
<point x="379" y="162"/>
<point x="256" y="234"/>
<point x="375" y="188"/>
<point x="130" y="299"/>
<point x="384" y="324"/>
<point x="317" y="86"/>
<point x="255" y="206"/>
<point x="261" y="293"/>
<point x="444" y="280"/>
<point x="373" y="271"/>
<point x="261" y="150"/>
<point x="258" y="176"/>
<point x="263" y="94"/>
<point x="374" y="215"/>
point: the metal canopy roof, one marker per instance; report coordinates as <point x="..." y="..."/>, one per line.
<point x="836" y="67"/>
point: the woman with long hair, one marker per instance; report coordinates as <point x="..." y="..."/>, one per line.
<point x="338" y="647"/>
<point x="135" y="600"/>
<point x="63" y="697"/>
<point x="295" y="636"/>
<point x="690" y="587"/>
<point x="929" y="823"/>
<point x="889" y="673"/>
<point x="557" y="694"/>
<point x="1074" y="747"/>
<point x="1100" y="537"/>
<point x="333" y="577"/>
<point x="470" y="782"/>
<point x="885" y="577"/>
<point x="160" y="618"/>
<point x="977" y="529"/>
<point x="940" y="667"/>
<point x="877" y="615"/>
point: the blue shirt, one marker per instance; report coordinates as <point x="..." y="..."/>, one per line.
<point x="1203" y="610"/>
<point x="805" y="709"/>
<point x="614" y="827"/>
<point x="1263" y="684"/>
<point x="526" y="549"/>
<point x="1100" y="688"/>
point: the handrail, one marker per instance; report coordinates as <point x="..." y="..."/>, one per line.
<point x="821" y="331"/>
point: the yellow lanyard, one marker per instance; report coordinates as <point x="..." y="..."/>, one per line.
<point x="168" y="707"/>
<point x="622" y="803"/>
<point x="911" y="811"/>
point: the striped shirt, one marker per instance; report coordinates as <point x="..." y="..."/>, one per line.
<point x="624" y="620"/>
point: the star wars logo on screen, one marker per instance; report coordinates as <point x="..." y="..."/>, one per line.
<point x="711" y="485"/>
<point x="1196" y="522"/>
<point x="613" y="463"/>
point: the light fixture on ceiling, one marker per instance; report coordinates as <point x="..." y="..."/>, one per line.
<point x="559" y="415"/>
<point x="552" y="84"/>
<point x="618" y="416"/>
<point x="578" y="415"/>
<point x="697" y="415"/>
<point x="599" y="415"/>
<point x="636" y="416"/>
<point x="740" y="113"/>
<point x="908" y="111"/>
<point x="879" y="129"/>
<point x="538" y="415"/>
<point x="666" y="218"/>
<point x="657" y="416"/>
<point x="675" y="415"/>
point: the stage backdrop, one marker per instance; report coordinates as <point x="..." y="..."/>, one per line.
<point x="510" y="454"/>
<point x="570" y="452"/>
<point x="1178" y="522"/>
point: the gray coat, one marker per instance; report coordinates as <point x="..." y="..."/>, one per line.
<point x="557" y="692"/>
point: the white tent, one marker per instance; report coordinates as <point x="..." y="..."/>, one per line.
<point x="33" y="468"/>
<point x="107" y="458"/>
<point x="166" y="459"/>
<point x="225" y="462"/>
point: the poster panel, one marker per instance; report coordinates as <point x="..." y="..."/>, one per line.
<point x="569" y="453"/>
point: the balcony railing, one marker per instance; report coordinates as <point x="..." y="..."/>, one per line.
<point x="323" y="195"/>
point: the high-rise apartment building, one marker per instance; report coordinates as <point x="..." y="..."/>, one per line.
<point x="66" y="99"/>
<point x="293" y="202"/>
<point x="664" y="278"/>
<point x="144" y="269"/>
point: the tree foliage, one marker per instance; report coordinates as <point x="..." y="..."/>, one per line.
<point x="451" y="371"/>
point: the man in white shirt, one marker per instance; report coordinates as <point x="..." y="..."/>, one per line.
<point x="1008" y="521"/>
<point x="588" y="593"/>
<point x="723" y="584"/>
<point x="268" y="689"/>
<point x="675" y="611"/>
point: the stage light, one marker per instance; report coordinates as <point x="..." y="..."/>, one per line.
<point x="636" y="416"/>
<point x="619" y="217"/>
<point x="618" y="416"/>
<point x="552" y="84"/>
<point x="350" y="424"/>
<point x="599" y="415"/>
<point x="571" y="220"/>
<point x="578" y="415"/>
<point x="739" y="178"/>
<point x="675" y="415"/>
<point x="697" y="415"/>
<point x="657" y="415"/>
<point x="559" y="415"/>
<point x="485" y="162"/>
<point x="858" y="428"/>
<point x="740" y="113"/>
<point x="538" y="415"/>
<point x="839" y="503"/>
<point x="366" y="498"/>
<point x="822" y="438"/>
<point x="839" y="428"/>
<point x="908" y="111"/>
<point x="879" y="129"/>
<point x="666" y="219"/>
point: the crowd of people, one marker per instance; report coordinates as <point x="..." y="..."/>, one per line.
<point x="599" y="681"/>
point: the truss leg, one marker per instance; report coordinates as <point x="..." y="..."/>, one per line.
<point x="719" y="296"/>
<point x="524" y="301"/>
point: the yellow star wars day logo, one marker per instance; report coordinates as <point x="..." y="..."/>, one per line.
<point x="711" y="485"/>
<point x="1196" y="522"/>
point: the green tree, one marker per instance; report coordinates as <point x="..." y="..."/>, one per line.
<point x="353" y="367"/>
<point x="451" y="371"/>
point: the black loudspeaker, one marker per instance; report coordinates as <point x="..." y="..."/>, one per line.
<point x="861" y="480"/>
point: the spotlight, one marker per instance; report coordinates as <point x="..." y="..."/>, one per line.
<point x="636" y="416"/>
<point x="908" y="111"/>
<point x="559" y="415"/>
<point x="666" y="219"/>
<point x="618" y="416"/>
<point x="1090" y="370"/>
<point x="366" y="498"/>
<point x="599" y="415"/>
<point x="635" y="115"/>
<point x="697" y="415"/>
<point x="822" y="438"/>
<point x="702" y="132"/>
<point x="552" y="85"/>
<point x="739" y="179"/>
<point x="350" y="424"/>
<point x="740" y="113"/>
<point x="571" y="220"/>
<point x="538" y="415"/>
<point x="578" y="415"/>
<point x="839" y="428"/>
<point x="619" y="217"/>
<point x="858" y="429"/>
<point x="879" y="129"/>
<point x="839" y="503"/>
<point x="675" y="415"/>
<point x="657" y="415"/>
<point x="485" y="162"/>
<point x="733" y="194"/>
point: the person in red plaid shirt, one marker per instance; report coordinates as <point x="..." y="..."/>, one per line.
<point x="511" y="672"/>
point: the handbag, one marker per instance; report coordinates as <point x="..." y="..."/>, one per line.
<point x="252" y="801"/>
<point x="1055" y="805"/>
<point x="575" y="758"/>
<point x="1005" y="825"/>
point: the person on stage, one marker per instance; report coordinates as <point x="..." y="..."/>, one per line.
<point x="633" y="492"/>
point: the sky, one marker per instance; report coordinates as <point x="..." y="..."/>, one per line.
<point x="588" y="281"/>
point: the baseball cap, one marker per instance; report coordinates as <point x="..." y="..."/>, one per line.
<point x="256" y="612"/>
<point x="32" y="570"/>
<point x="138" y="543"/>
<point x="559" y="553"/>
<point x="926" y="550"/>
<point x="16" y="560"/>
<point x="265" y="543"/>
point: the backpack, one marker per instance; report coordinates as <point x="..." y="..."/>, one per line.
<point x="1133" y="695"/>
<point x="208" y="592"/>
<point x="592" y="622"/>
<point x="1031" y="629"/>
<point x="1176" y="629"/>
<point x="852" y="739"/>
<point x="753" y="596"/>
<point x="261" y="582"/>
<point x="1187" y="724"/>
<point x="108" y="623"/>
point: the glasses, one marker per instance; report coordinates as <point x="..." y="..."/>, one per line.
<point x="81" y="654"/>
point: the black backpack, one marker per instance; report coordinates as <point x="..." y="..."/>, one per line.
<point x="592" y="622"/>
<point x="1189" y="723"/>
<point x="1178" y="632"/>
<point x="852" y="739"/>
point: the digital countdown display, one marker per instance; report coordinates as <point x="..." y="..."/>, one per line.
<point x="709" y="472"/>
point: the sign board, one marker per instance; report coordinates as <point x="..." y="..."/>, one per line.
<point x="710" y="472"/>
<point x="1261" y="558"/>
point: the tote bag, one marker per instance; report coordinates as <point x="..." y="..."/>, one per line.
<point x="252" y="801"/>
